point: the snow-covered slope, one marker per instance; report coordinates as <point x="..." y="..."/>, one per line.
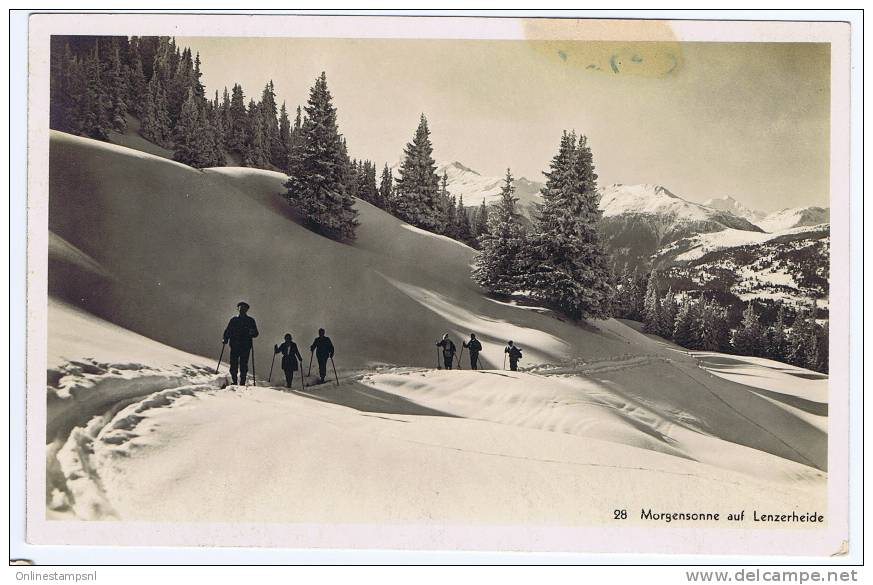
<point x="555" y="445"/>
<point x="154" y="247"/>
<point x="791" y="266"/>
<point x="786" y="219"/>
<point x="731" y="205"/>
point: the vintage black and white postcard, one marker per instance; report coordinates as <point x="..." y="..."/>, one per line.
<point x="439" y="283"/>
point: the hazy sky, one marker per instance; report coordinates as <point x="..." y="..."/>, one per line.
<point x="750" y="120"/>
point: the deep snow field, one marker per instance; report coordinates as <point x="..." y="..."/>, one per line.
<point x="147" y="260"/>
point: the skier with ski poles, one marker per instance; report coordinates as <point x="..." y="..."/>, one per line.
<point x="290" y="358"/>
<point x="323" y="348"/>
<point x="448" y="347"/>
<point x="514" y="355"/>
<point x="239" y="332"/>
<point x="475" y="347"/>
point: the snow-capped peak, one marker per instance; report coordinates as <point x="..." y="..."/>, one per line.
<point x="731" y="205"/>
<point x="785" y="219"/>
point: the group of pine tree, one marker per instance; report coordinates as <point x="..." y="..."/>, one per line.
<point x="99" y="83"/>
<point x="789" y="334"/>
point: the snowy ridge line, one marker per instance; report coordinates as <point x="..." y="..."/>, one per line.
<point x="78" y="487"/>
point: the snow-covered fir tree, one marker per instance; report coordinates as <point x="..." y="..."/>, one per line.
<point x="652" y="306"/>
<point x="712" y="331"/>
<point x="284" y="146"/>
<point x="749" y="336"/>
<point x="481" y="224"/>
<point x="316" y="181"/>
<point x="498" y="265"/>
<point x="567" y="266"/>
<point x="417" y="187"/>
<point x="667" y="315"/>
<point x="464" y="228"/>
<point x="686" y="331"/>
<point x="386" y="188"/>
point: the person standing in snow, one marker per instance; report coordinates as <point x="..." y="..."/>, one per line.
<point x="239" y="332"/>
<point x="475" y="347"/>
<point x="448" y="350"/>
<point x="514" y="355"/>
<point x="290" y="358"/>
<point x="323" y="348"/>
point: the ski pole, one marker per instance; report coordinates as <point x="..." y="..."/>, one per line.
<point x="254" y="376"/>
<point x="459" y="358"/>
<point x="273" y="363"/>
<point x="334" y="370"/>
<point x="309" y="371"/>
<point x="302" y="383"/>
<point x="223" y="345"/>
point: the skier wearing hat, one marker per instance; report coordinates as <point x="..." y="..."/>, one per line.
<point x="448" y="350"/>
<point x="240" y="331"/>
<point x="514" y="355"/>
<point x="475" y="347"/>
<point x="290" y="358"/>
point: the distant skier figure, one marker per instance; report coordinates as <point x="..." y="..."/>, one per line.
<point x="240" y="331"/>
<point x="514" y="355"/>
<point x="323" y="348"/>
<point x="290" y="358"/>
<point x="475" y="347"/>
<point x="448" y="350"/>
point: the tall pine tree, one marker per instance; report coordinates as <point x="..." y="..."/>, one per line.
<point x="417" y="188"/>
<point x="497" y="266"/>
<point x="567" y="266"/>
<point x="316" y="182"/>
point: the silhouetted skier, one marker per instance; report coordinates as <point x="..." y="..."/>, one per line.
<point x="240" y="331"/>
<point x="448" y="350"/>
<point x="475" y="347"/>
<point x="514" y="355"/>
<point x="290" y="358"/>
<point x="323" y="348"/>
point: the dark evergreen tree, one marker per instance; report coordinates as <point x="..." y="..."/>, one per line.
<point x="712" y="331"/>
<point x="282" y="159"/>
<point x="652" y="306"/>
<point x="686" y="330"/>
<point x="137" y="85"/>
<point x="155" y="123"/>
<point x="268" y="111"/>
<point x="464" y="229"/>
<point x="239" y="123"/>
<point x="481" y="224"/>
<point x="776" y="336"/>
<point x="667" y="315"/>
<point x="498" y="265"/>
<point x="386" y="188"/>
<point x="117" y="90"/>
<point x="191" y="136"/>
<point x="416" y="189"/>
<point x="256" y="153"/>
<point x="567" y="266"/>
<point x="316" y="182"/>
<point x="749" y="336"/>
<point x="95" y="119"/>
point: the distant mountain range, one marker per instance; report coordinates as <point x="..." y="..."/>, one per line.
<point x="720" y="246"/>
